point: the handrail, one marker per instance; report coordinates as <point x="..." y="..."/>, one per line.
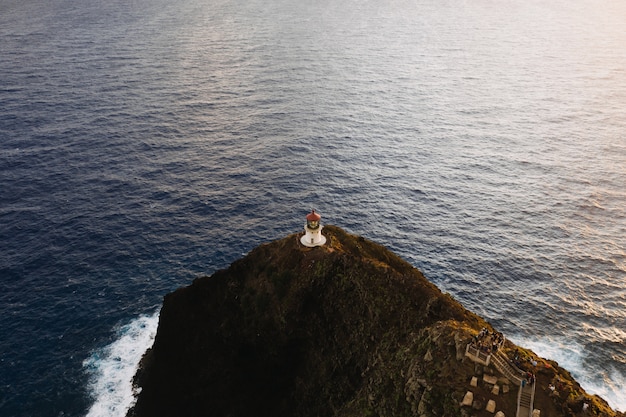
<point x="532" y="399"/>
<point x="482" y="357"/>
<point x="519" y="400"/>
<point x="500" y="361"/>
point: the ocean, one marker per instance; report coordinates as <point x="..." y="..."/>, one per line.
<point x="145" y="143"/>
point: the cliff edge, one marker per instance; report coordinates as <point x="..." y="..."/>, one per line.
<point x="345" y="329"/>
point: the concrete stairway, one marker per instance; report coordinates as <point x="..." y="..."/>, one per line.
<point x="526" y="393"/>
<point x="502" y="364"/>
<point x="525" y="401"/>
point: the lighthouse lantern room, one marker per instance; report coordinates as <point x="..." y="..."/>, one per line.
<point x="313" y="231"/>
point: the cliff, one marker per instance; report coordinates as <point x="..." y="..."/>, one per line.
<point x="346" y="329"/>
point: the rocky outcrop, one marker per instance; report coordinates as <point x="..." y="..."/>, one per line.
<point x="346" y="329"/>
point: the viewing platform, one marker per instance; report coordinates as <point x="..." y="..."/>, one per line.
<point x="485" y="350"/>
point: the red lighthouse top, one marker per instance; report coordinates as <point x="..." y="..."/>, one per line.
<point x="313" y="216"/>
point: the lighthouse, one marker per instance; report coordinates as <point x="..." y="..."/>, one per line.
<point x="313" y="231"/>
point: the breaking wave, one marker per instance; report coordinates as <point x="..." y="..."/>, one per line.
<point x="596" y="378"/>
<point x="112" y="367"/>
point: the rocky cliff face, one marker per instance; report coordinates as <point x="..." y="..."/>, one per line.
<point x="346" y="329"/>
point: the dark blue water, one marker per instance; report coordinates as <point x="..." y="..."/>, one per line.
<point x="145" y="143"/>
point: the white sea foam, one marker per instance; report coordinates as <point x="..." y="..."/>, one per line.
<point x="112" y="367"/>
<point x="609" y="383"/>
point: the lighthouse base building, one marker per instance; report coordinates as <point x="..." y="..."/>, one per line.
<point x="313" y="231"/>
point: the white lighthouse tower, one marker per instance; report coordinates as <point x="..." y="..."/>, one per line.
<point x="313" y="231"/>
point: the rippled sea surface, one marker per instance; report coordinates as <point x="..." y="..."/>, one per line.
<point x="144" y="143"/>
